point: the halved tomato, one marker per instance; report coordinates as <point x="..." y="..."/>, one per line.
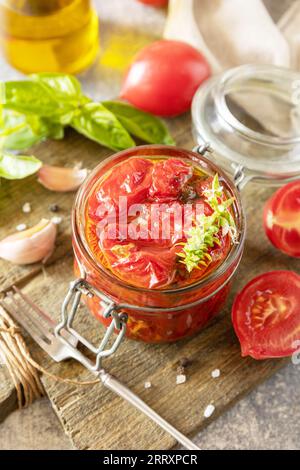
<point x="282" y="219"/>
<point x="168" y="178"/>
<point x="266" y="315"/>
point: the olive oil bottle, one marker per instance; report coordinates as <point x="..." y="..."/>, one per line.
<point x="48" y="35"/>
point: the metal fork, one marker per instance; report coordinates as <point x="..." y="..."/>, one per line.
<point x="64" y="345"/>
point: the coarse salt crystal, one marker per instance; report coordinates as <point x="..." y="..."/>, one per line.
<point x="215" y="373"/>
<point x="180" y="379"/>
<point x="56" y="220"/>
<point x="208" y="411"/>
<point x="147" y="385"/>
<point x="225" y="230"/>
<point x="21" y="227"/>
<point x="26" y="208"/>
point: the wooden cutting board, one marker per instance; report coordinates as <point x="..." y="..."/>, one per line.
<point x="93" y="417"/>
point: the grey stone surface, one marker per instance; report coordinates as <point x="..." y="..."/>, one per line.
<point x="269" y="418"/>
<point x="34" y="428"/>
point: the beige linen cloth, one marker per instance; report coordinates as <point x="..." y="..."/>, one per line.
<point x="235" y="32"/>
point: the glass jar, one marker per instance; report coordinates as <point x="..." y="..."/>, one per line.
<point x="156" y="315"/>
<point x="49" y="35"/>
<point x="247" y="126"/>
<point x="250" y="116"/>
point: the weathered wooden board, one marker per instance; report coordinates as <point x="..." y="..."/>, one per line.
<point x="92" y="416"/>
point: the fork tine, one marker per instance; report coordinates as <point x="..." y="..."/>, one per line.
<point x="19" y="307"/>
<point x="39" y="339"/>
<point x="22" y="306"/>
<point x="35" y="307"/>
<point x="26" y="305"/>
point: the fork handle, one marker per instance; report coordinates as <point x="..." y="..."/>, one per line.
<point x="113" y="384"/>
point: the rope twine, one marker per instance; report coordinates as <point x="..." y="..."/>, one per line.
<point x="23" y="369"/>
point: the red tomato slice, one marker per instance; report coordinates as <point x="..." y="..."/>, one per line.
<point x="164" y="78"/>
<point x="266" y="315"/>
<point x="158" y="224"/>
<point x="155" y="3"/>
<point x="132" y="179"/>
<point x="168" y="179"/>
<point x="141" y="266"/>
<point x="282" y="219"/>
<point x="203" y="185"/>
<point x="98" y="210"/>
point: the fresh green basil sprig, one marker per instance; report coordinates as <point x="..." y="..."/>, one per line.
<point x="203" y="235"/>
<point x="39" y="108"/>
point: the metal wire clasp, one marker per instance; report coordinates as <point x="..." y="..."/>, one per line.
<point x="69" y="309"/>
<point x="203" y="149"/>
<point x="241" y="176"/>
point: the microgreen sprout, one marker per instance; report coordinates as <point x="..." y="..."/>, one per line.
<point x="204" y="234"/>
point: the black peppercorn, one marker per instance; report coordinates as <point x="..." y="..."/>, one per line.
<point x="54" y="208"/>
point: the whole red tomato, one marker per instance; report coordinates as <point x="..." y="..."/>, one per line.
<point x="164" y="78"/>
<point x="155" y="3"/>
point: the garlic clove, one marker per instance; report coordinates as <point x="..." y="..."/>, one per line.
<point x="61" y="179"/>
<point x="29" y="246"/>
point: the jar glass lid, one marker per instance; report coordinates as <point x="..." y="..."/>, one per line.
<point x="250" y="116"/>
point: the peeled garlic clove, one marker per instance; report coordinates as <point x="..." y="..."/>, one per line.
<point x="29" y="246"/>
<point x="61" y="179"/>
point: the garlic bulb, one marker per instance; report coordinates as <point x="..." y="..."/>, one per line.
<point x="29" y="246"/>
<point x="61" y="179"/>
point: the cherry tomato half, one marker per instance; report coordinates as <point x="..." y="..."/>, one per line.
<point x="155" y="3"/>
<point x="164" y="78"/>
<point x="131" y="179"/>
<point x="142" y="266"/>
<point x="266" y="315"/>
<point x="168" y="179"/>
<point x="282" y="219"/>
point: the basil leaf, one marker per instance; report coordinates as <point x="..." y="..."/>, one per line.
<point x="143" y="125"/>
<point x="19" y="132"/>
<point x="33" y="98"/>
<point x="28" y="97"/>
<point x="16" y="133"/>
<point x="54" y="130"/>
<point x="60" y="86"/>
<point x="97" y="123"/>
<point x="18" y="166"/>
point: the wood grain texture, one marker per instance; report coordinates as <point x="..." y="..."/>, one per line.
<point x="93" y="417"/>
<point x="8" y="396"/>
